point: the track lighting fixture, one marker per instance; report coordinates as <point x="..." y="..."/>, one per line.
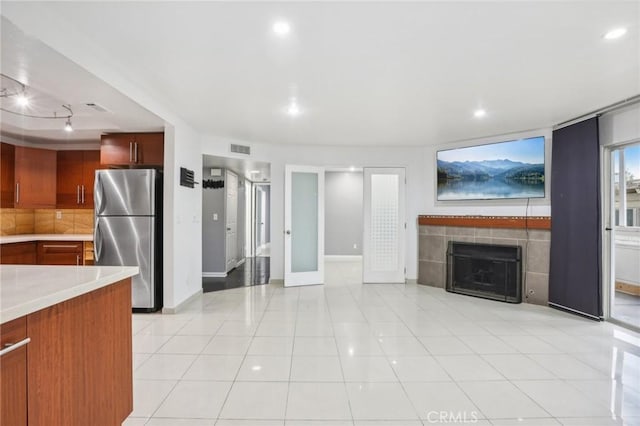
<point x="12" y="88"/>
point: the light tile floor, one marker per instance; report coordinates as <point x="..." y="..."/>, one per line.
<point x="379" y="355"/>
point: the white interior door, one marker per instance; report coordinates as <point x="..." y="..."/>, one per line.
<point x="303" y="225"/>
<point x="231" y="219"/>
<point x="384" y="225"/>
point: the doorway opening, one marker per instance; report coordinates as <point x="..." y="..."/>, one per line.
<point x="232" y="223"/>
<point x="623" y="243"/>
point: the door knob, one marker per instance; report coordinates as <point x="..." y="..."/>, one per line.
<point x="288" y="232"/>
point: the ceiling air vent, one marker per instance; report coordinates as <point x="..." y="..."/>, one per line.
<point x="241" y="149"/>
<point x="97" y="107"/>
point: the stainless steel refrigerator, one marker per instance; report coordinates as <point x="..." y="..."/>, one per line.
<point x="128" y="229"/>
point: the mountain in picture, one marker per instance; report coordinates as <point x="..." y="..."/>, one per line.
<point x="485" y="170"/>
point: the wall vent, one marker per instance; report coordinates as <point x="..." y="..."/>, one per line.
<point x="241" y="149"/>
<point x="97" y="107"/>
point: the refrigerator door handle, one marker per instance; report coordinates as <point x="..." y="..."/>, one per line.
<point x="99" y="194"/>
<point x="97" y="241"/>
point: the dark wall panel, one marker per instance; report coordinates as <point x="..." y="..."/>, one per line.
<point x="575" y="270"/>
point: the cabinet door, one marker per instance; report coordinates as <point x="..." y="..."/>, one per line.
<point x="18" y="254"/>
<point x="13" y="374"/>
<point x="91" y="164"/>
<point x="60" y="253"/>
<point x="80" y="360"/>
<point x="117" y="149"/>
<point x="35" y="177"/>
<point x="69" y="179"/>
<point x="150" y="149"/>
<point x="7" y="175"/>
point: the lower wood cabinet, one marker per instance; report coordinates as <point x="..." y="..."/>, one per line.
<point x="13" y="373"/>
<point x="18" y="253"/>
<point x="60" y="253"/>
<point x="77" y="368"/>
<point x="46" y="253"/>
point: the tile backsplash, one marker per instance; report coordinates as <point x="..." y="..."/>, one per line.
<point x="46" y="221"/>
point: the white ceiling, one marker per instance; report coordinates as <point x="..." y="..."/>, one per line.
<point x="369" y="73"/>
<point x="52" y="80"/>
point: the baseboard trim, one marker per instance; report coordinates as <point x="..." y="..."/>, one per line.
<point x="342" y="258"/>
<point x="411" y="281"/>
<point x="628" y="288"/>
<point x="214" y="274"/>
<point x="277" y="281"/>
<point x="183" y="304"/>
<point x="240" y="262"/>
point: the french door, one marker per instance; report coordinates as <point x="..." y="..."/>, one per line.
<point x="384" y="225"/>
<point x="303" y="225"/>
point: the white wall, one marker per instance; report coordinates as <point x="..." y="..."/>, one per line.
<point x="182" y="218"/>
<point x="412" y="158"/>
<point x="537" y="207"/>
<point x="182" y="206"/>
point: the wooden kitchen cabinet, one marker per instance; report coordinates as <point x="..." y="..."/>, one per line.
<point x="75" y="178"/>
<point x="60" y="253"/>
<point x="13" y="373"/>
<point x="132" y="149"/>
<point x="18" y="253"/>
<point x="35" y="178"/>
<point x="77" y="368"/>
<point x="7" y="175"/>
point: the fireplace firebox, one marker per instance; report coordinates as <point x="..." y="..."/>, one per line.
<point x="490" y="271"/>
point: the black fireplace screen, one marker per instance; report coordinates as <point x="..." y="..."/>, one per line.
<point x="485" y="270"/>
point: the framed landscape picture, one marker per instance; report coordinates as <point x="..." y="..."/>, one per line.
<point x="512" y="169"/>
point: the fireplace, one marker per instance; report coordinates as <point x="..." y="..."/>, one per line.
<point x="490" y="271"/>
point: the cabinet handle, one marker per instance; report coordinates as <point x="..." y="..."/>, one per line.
<point x="82" y="194"/>
<point x="17" y="192"/>
<point x="77" y="194"/>
<point x="13" y="346"/>
<point x="77" y="260"/>
<point x="135" y="152"/>
<point x="60" y="245"/>
<point x="130" y="152"/>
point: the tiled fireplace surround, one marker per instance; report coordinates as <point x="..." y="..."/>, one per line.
<point x="435" y="232"/>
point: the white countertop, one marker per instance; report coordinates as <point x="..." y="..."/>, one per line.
<point x="6" y="239"/>
<point x="25" y="289"/>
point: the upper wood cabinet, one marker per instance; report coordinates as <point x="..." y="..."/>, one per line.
<point x="35" y="178"/>
<point x="132" y="149"/>
<point x="7" y="175"/>
<point x="75" y="177"/>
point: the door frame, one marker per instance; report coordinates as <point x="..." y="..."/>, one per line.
<point x="311" y="277"/>
<point x="228" y="252"/>
<point x="609" y="230"/>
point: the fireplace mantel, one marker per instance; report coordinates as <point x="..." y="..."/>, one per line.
<point x="503" y="222"/>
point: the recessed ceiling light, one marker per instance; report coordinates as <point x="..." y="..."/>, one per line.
<point x="479" y="113"/>
<point x="352" y="169"/>
<point x="282" y="28"/>
<point x="615" y="33"/>
<point x="254" y="172"/>
<point x="293" y="109"/>
<point x="22" y="100"/>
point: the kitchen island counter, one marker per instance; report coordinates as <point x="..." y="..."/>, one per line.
<point x="25" y="289"/>
<point x="66" y="341"/>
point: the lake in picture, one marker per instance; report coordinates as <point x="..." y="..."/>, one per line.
<point x="513" y="169"/>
